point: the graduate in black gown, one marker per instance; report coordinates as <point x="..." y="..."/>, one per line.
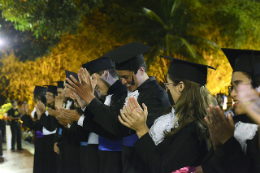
<point x="33" y="123"/>
<point x="74" y="148"/>
<point x="89" y="153"/>
<point x="235" y="140"/>
<point x="108" y="85"/>
<point x="180" y="137"/>
<point x="48" y="130"/>
<point x="131" y="67"/>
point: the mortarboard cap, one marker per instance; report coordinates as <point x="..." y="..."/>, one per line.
<point x="68" y="73"/>
<point x="52" y="89"/>
<point x="39" y="90"/>
<point x="98" y="65"/>
<point x="244" y="61"/>
<point x="129" y="56"/>
<point x="188" y="71"/>
<point x="60" y="84"/>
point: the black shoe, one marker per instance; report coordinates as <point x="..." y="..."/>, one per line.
<point x="13" y="150"/>
<point x="20" y="149"/>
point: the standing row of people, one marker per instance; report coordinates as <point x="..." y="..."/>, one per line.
<point x="113" y="117"/>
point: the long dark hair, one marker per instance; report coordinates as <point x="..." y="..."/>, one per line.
<point x="192" y="105"/>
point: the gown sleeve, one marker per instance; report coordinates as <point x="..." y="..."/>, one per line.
<point x="49" y="122"/>
<point x="227" y="158"/>
<point x="90" y="126"/>
<point x="28" y="122"/>
<point x="175" y="152"/>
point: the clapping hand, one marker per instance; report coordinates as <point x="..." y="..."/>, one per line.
<point x="221" y="128"/>
<point x="63" y="121"/>
<point x="134" y="117"/>
<point x="53" y="112"/>
<point x="40" y="109"/>
<point x="84" y="91"/>
<point x="58" y="102"/>
<point x="250" y="100"/>
<point x="71" y="115"/>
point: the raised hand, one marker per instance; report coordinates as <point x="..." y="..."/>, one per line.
<point x="23" y="109"/>
<point x="82" y="91"/>
<point x="53" y="112"/>
<point x="63" y="121"/>
<point x="250" y="100"/>
<point x="40" y="109"/>
<point x="58" y="102"/>
<point x="80" y="101"/>
<point x="132" y="116"/>
<point x="86" y="80"/>
<point x="220" y="127"/>
<point x="71" y="115"/>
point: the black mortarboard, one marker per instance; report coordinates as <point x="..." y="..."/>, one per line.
<point x="188" y="71"/>
<point x="60" y="84"/>
<point x="98" y="65"/>
<point x="244" y="61"/>
<point x="68" y="73"/>
<point x="129" y="56"/>
<point x="52" y="89"/>
<point x="39" y="90"/>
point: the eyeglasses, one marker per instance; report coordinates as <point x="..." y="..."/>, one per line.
<point x="167" y="84"/>
<point x="48" y="95"/>
<point x="232" y="87"/>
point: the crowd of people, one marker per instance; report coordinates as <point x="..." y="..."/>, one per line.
<point x="111" y="117"/>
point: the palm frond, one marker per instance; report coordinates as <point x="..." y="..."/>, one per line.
<point x="154" y="17"/>
<point x="177" y="45"/>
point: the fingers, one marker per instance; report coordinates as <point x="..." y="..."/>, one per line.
<point x="134" y="101"/>
<point x="220" y="115"/>
<point x="145" y="110"/>
<point x="74" y="80"/>
<point x="122" y="122"/>
<point x="94" y="80"/>
<point x="230" y="120"/>
<point x="207" y="120"/>
<point x="125" y="118"/>
<point x="127" y="112"/>
<point x="130" y="103"/>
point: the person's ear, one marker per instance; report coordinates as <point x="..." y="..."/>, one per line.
<point x="142" y="70"/>
<point x="181" y="87"/>
<point x="106" y="74"/>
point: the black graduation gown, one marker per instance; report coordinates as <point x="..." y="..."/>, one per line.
<point x="106" y="159"/>
<point x="50" y="157"/>
<point x="187" y="147"/>
<point x="38" y="163"/>
<point x="69" y="145"/>
<point x="230" y="158"/>
<point x="156" y="100"/>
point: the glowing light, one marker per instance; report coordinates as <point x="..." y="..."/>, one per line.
<point x="1" y="42"/>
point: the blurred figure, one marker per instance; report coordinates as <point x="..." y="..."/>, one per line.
<point x="14" y="116"/>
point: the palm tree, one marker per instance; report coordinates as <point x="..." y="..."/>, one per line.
<point x="166" y="26"/>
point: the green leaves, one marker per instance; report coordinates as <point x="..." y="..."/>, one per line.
<point x="154" y="17"/>
<point x="52" y="18"/>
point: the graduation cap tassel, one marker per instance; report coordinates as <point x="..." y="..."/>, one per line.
<point x="133" y="81"/>
<point x="254" y="79"/>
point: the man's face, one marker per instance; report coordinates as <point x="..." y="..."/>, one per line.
<point x="238" y="78"/>
<point x="50" y="98"/>
<point x="67" y="92"/>
<point x="126" y="77"/>
<point x="60" y="92"/>
<point x="14" y="104"/>
<point x="102" y="86"/>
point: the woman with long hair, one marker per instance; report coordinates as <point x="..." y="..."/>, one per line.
<point x="179" y="138"/>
